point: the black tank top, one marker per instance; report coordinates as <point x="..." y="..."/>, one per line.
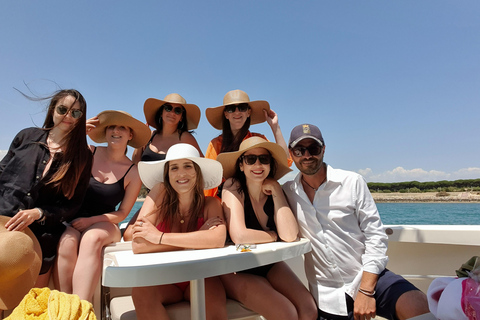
<point x="251" y="221"/>
<point x="101" y="197"/>
<point x="149" y="155"/>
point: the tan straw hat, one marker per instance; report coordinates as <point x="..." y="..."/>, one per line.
<point x="215" y="115"/>
<point x="229" y="159"/>
<point x="152" y="105"/>
<point x="151" y="172"/>
<point x="140" y="131"/>
<point x="20" y="263"/>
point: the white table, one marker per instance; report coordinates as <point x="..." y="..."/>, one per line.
<point x="126" y="269"/>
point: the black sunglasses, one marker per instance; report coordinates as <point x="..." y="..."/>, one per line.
<point x="169" y="108"/>
<point x="76" y="113"/>
<point x="242" y="107"/>
<point x="251" y="159"/>
<point x="314" y="150"/>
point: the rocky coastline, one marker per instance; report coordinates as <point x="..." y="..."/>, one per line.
<point x="453" y="197"/>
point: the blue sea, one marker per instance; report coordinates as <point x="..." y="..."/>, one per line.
<point x="415" y="213"/>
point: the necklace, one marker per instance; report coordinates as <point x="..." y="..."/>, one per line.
<point x="314" y="189"/>
<point x="182" y="216"/>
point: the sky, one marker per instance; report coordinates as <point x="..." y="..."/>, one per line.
<point x="394" y="86"/>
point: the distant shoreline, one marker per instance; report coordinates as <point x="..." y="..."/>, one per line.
<point x="453" y="197"/>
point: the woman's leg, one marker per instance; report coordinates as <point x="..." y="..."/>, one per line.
<point x="89" y="264"/>
<point x="285" y="281"/>
<point x="215" y="299"/>
<point x="150" y="301"/>
<point x="66" y="260"/>
<point x="257" y="294"/>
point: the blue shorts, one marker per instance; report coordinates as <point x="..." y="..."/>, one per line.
<point x="389" y="288"/>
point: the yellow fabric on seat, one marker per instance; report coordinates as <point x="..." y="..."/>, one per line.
<point x="46" y="304"/>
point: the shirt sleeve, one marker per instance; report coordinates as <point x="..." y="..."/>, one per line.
<point x="212" y="153"/>
<point x="374" y="260"/>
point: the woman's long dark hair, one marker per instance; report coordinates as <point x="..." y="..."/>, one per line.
<point x="169" y="209"/>
<point x="239" y="175"/>
<point x="77" y="157"/>
<point x="230" y="141"/>
<point x="182" y="124"/>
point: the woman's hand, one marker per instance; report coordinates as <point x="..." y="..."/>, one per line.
<point x="81" y="224"/>
<point x="92" y="123"/>
<point x="271" y="187"/>
<point x="144" y="229"/>
<point x="212" y="223"/>
<point x="22" y="219"/>
<point x="272" y="119"/>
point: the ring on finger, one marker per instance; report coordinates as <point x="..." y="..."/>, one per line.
<point x="141" y="223"/>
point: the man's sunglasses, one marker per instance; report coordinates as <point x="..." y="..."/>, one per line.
<point x="169" y="108"/>
<point x="242" y="107"/>
<point x="314" y="150"/>
<point x="251" y="159"/>
<point x="76" y="113"/>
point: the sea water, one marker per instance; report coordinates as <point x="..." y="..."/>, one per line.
<point x="414" y="213"/>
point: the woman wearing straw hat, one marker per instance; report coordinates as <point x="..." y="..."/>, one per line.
<point x="234" y="118"/>
<point x="114" y="179"/>
<point x="44" y="175"/>
<point x="177" y="215"/>
<point x="257" y="211"/>
<point x="173" y="119"/>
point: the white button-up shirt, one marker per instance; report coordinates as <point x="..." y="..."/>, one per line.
<point x="346" y="233"/>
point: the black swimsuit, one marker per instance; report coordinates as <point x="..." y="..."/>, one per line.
<point x="251" y="222"/>
<point x="149" y="155"/>
<point x="101" y="197"/>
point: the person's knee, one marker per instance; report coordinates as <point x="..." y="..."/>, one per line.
<point x="68" y="246"/>
<point x="411" y="303"/>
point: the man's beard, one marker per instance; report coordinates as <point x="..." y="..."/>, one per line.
<point x="312" y="167"/>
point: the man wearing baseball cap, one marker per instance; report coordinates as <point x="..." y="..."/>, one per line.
<point x="336" y="212"/>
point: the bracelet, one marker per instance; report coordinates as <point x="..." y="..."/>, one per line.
<point x="160" y="242"/>
<point x="367" y="293"/>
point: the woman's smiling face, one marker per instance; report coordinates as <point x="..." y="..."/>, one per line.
<point x="182" y="175"/>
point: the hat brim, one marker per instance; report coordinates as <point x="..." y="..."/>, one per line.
<point x="152" y="105"/>
<point x="13" y="290"/>
<point x="151" y="172"/>
<point x="229" y="159"/>
<point x="215" y="115"/>
<point x="140" y="131"/>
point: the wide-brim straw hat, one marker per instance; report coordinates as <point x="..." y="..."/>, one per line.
<point x="152" y="105"/>
<point x="151" y="172"/>
<point x="20" y="263"/>
<point x="229" y="159"/>
<point x="215" y="115"/>
<point x="140" y="131"/>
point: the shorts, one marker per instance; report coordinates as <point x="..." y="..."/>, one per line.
<point x="261" y="271"/>
<point x="389" y="288"/>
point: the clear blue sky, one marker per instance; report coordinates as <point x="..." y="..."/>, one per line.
<point x="393" y="85"/>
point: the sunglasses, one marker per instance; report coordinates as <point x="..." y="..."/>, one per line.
<point x="314" y="150"/>
<point x="76" y="113"/>
<point x="242" y="107"/>
<point x="169" y="108"/>
<point x="251" y="159"/>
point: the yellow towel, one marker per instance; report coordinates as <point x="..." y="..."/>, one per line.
<point x="46" y="304"/>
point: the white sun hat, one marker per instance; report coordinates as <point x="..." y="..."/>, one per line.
<point x="151" y="172"/>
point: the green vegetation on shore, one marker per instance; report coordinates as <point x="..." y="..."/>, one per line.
<point x="418" y="187"/>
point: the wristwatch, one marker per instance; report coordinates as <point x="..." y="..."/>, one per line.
<point x="41" y="220"/>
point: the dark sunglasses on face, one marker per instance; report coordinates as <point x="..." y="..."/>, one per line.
<point x="251" y="159"/>
<point x="76" y="113"/>
<point x="169" y="108"/>
<point x="242" y="107"/>
<point x="314" y="150"/>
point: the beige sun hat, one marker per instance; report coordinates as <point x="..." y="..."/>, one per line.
<point x="152" y="105"/>
<point x="151" y="172"/>
<point x="20" y="263"/>
<point x="215" y="115"/>
<point x="140" y="131"/>
<point x="229" y="159"/>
